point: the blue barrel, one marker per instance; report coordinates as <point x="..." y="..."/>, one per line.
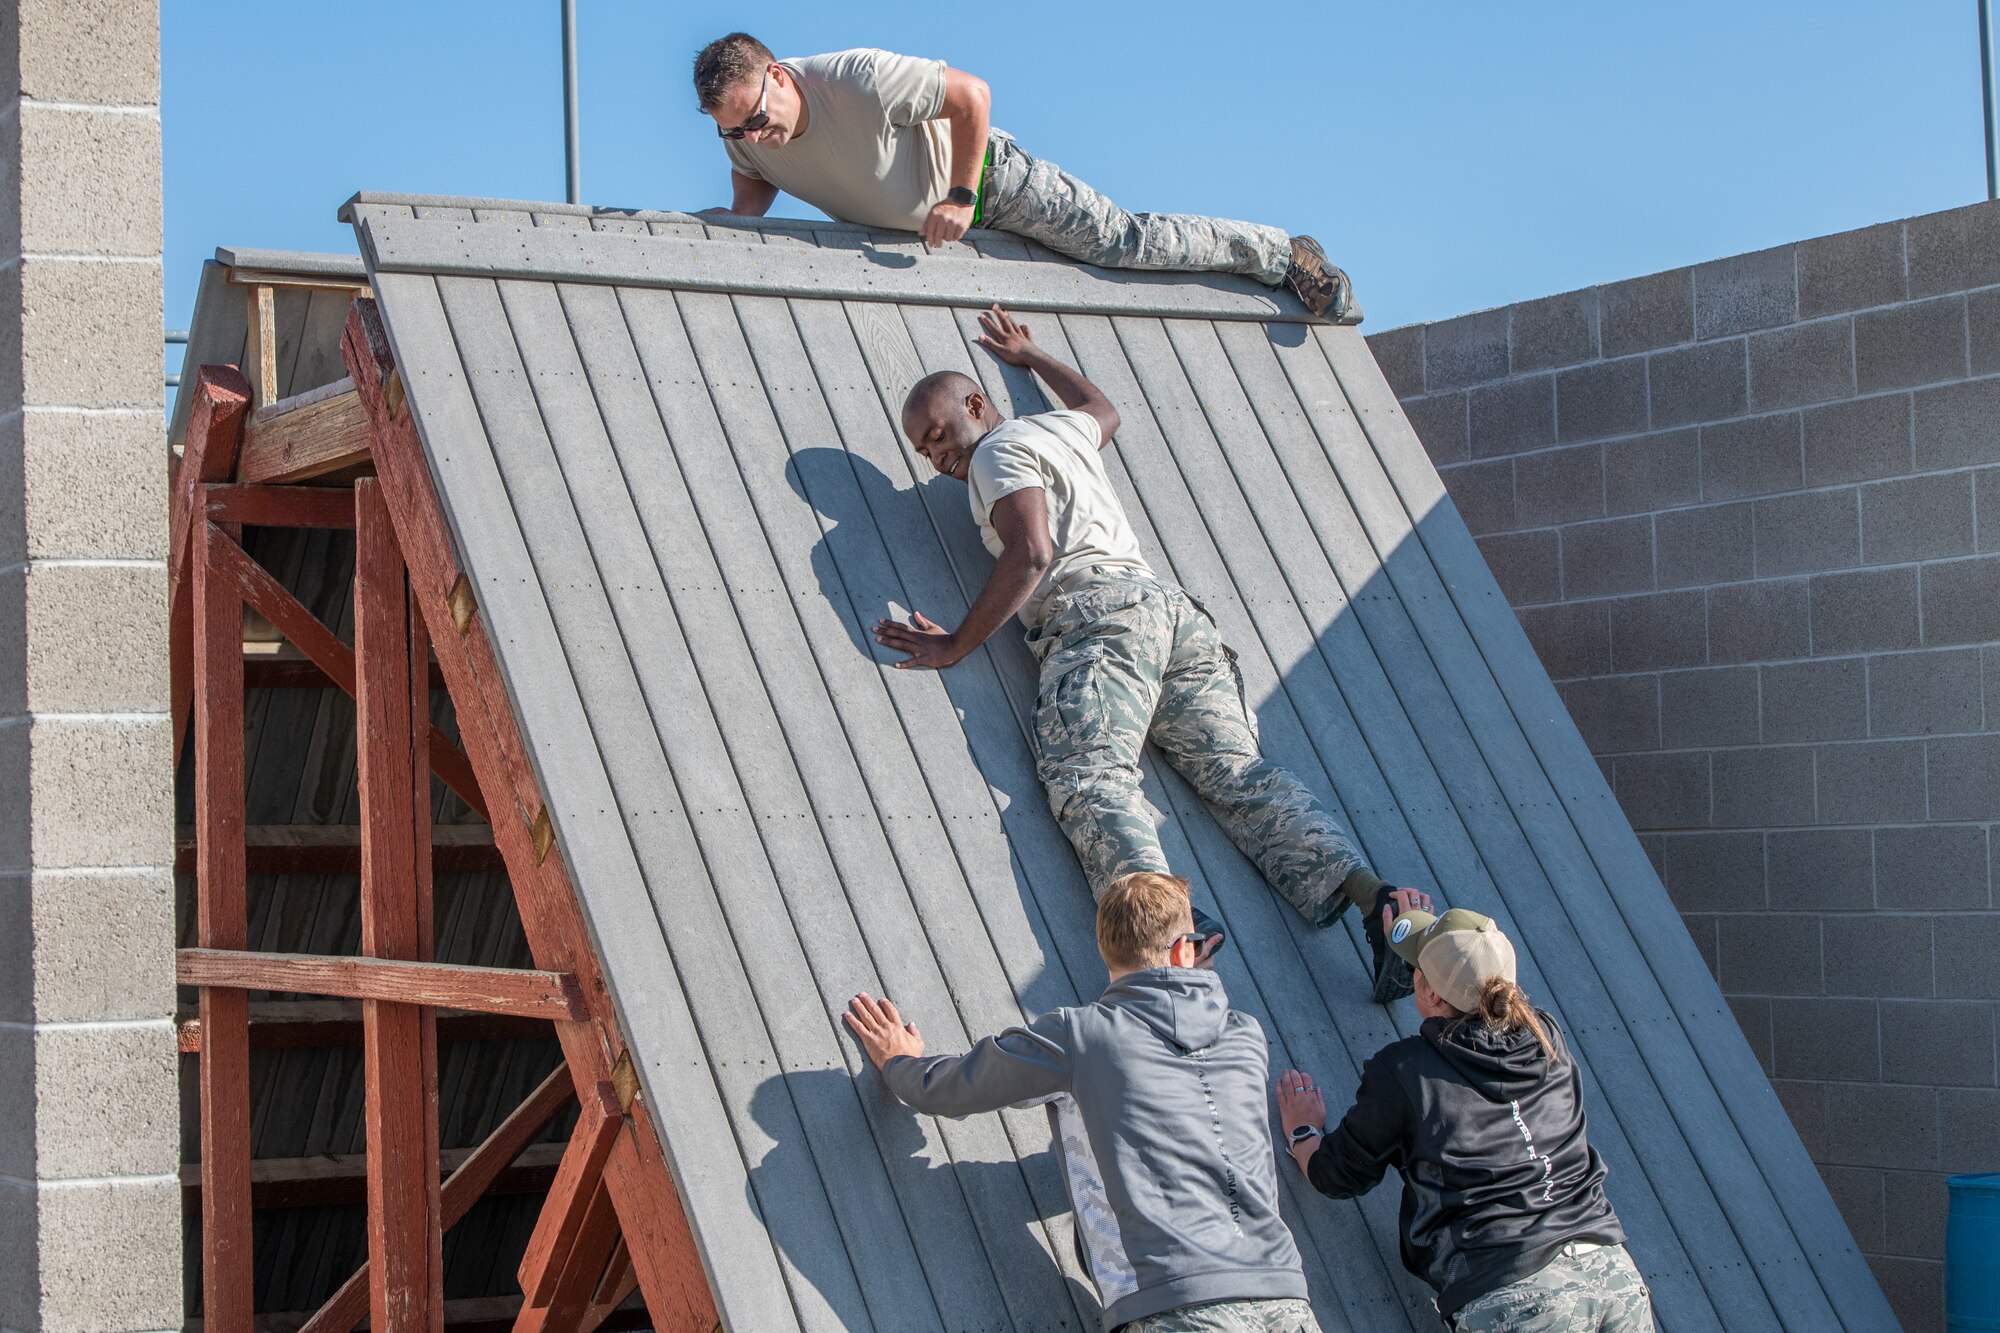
<point x="1972" y="1255"/>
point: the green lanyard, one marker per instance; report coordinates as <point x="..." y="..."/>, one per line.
<point x="979" y="204"/>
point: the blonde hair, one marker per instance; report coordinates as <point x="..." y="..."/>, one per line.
<point x="1139" y="916"/>
<point x="1505" y="1007"/>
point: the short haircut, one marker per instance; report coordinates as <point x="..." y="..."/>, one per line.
<point x="1139" y="916"/>
<point x="726" y="62"/>
<point x="955" y="384"/>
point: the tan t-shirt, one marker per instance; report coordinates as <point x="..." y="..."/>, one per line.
<point x="1057" y="451"/>
<point x="873" y="151"/>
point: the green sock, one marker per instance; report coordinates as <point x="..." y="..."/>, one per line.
<point x="1361" y="886"/>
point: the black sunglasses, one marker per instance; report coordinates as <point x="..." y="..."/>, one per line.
<point x="757" y="121"/>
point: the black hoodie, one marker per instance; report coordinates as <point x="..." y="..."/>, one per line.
<point x="1489" y="1136"/>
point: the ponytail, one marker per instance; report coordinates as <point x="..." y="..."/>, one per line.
<point x="1504" y="1007"/>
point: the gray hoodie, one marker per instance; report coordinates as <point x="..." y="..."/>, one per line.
<point x="1157" y="1093"/>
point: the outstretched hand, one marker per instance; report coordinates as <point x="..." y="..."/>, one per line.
<point x="928" y="644"/>
<point x="882" y="1032"/>
<point x="1006" y="337"/>
<point x="1401" y="901"/>
<point x="1300" y="1103"/>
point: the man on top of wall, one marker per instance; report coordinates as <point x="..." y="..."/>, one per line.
<point x="1126" y="657"/>
<point x="889" y="140"/>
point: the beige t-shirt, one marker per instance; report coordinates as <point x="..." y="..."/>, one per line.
<point x="873" y="151"/>
<point x="1059" y="452"/>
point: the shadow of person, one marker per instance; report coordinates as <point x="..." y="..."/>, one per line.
<point x="958" y="1216"/>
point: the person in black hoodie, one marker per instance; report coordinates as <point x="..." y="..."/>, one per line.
<point x="1481" y="1112"/>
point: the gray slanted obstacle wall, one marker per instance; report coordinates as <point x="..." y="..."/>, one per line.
<point x="668" y="454"/>
<point x="1749" y="514"/>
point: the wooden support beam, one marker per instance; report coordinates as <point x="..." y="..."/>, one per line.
<point x="576" y="1184"/>
<point x="335" y="849"/>
<point x="279" y="506"/>
<point x="335" y="1180"/>
<point x="280" y="671"/>
<point x="259" y="588"/>
<point x="583" y="1270"/>
<point x="260" y="353"/>
<point x="222" y="923"/>
<point x="523" y="992"/>
<point x="472" y="1314"/>
<point x="308" y="435"/>
<point x="472" y="1179"/>
<point x="399" y="1073"/>
<point x="291" y="1025"/>
<point x="220" y="405"/>
<point x="663" y="1251"/>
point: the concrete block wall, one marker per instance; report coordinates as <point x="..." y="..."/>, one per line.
<point x="1749" y="514"/>
<point x="89" y="1195"/>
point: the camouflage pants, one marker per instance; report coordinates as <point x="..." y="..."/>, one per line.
<point x="1584" y="1289"/>
<point x="1039" y="200"/>
<point x="1230" y="1317"/>
<point x="1127" y="659"/>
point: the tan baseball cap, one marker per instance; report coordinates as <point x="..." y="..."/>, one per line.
<point x="1458" y="952"/>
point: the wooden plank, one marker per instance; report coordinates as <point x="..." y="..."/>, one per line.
<point x="291" y="441"/>
<point x="466" y="1314"/>
<point x="480" y="1170"/>
<point x="570" y="1196"/>
<point x="290" y="1025"/>
<point x="279" y="671"/>
<point x="260" y="356"/>
<point x="406" y="1291"/>
<point x="335" y="849"/>
<point x="569" y="1300"/>
<point x="676" y="1275"/>
<point x="1711" y="1069"/>
<point x="222" y="923"/>
<point x="279" y="506"/>
<point x="221" y="402"/>
<point x="340" y="1180"/>
<point x="523" y="992"/>
<point x="501" y="250"/>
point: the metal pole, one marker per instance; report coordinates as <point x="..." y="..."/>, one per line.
<point x="1986" y="89"/>
<point x="572" y="150"/>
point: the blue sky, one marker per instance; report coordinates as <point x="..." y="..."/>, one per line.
<point x="1452" y="155"/>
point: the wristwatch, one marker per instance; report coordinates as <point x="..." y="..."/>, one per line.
<point x="1302" y="1133"/>
<point x="961" y="196"/>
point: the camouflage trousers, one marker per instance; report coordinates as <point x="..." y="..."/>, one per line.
<point x="1039" y="200"/>
<point x="1584" y="1289"/>
<point x="1230" y="1317"/>
<point x="1127" y="659"/>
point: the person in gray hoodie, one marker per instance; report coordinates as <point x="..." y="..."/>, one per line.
<point x="1156" y="1094"/>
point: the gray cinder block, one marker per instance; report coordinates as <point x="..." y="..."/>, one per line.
<point x="1615" y="713"/>
<point x="1986" y="506"/>
<point x="1825" y="1039"/>
<point x="1400" y="354"/>
<point x="1753" y="456"/>
<point x="1946" y="1043"/>
<point x="1613" y="556"/>
<point x="1953" y="251"/>
<point x="1920" y="343"/>
<point x="1471" y="349"/>
<point x="1964" y="776"/>
<point x="1962" y="601"/>
<point x="1916" y="518"/>
<point x="1864" y="610"/>
<point x="1713" y="544"/>
<point x="1871" y="782"/>
<point x="1858" y="440"/>
<point x="1822" y="870"/>
<point x="100" y="1101"/>
<point x="1559" y="485"/>
<point x="1786" y="962"/>
<point x="1968" y="957"/>
<point x="1715" y="872"/>
<point x="1808" y="531"/>
<point x="100" y="51"/>
<point x="1807" y="363"/>
<point x="1805" y="1106"/>
<point x="1958" y="425"/>
<point x="88" y="180"/>
<point x="1816" y="701"/>
<point x="1668" y="629"/>
<point x="1753" y="1015"/>
<point x="1857" y="1192"/>
<point x="1713" y="706"/>
<point x="1600" y="400"/>
<point x="1572" y="638"/>
<point x="86" y="945"/>
<point x="1855" y="1113"/>
<point x="1743" y="292"/>
<point x="1555" y="331"/>
<point x="1931" y="868"/>
<point x="1924" y="693"/>
<point x="1651" y="472"/>
<point x="1440" y="422"/>
<point x="1851" y="271"/>
<point x="1982" y="318"/>
<point x="1664" y="791"/>
<point x="1878" y="954"/>
<point x="1527" y="565"/>
<point x="1704" y="383"/>
<point x="1914" y="1203"/>
<point x="1767" y="787"/>
<point x="1758" y="622"/>
<point x="1969" y="1121"/>
<point x="1513" y="416"/>
<point x="1641" y="314"/>
<point x="1483" y="493"/>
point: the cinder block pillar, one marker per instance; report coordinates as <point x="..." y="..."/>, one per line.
<point x="89" y="1195"/>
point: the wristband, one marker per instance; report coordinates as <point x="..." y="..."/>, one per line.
<point x="961" y="196"/>
<point x="1302" y="1133"/>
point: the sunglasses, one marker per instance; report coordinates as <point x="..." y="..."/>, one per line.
<point x="757" y="121"/>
